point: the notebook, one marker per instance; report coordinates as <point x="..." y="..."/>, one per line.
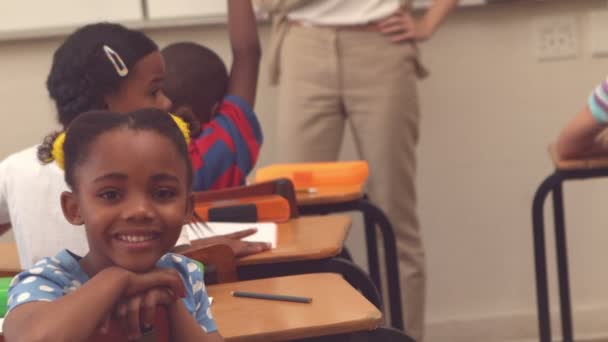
<point x="267" y="231"/>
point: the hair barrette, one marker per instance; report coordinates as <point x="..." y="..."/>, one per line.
<point x="117" y="62"/>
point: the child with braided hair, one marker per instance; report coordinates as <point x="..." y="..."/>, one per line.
<point x="129" y="178"/>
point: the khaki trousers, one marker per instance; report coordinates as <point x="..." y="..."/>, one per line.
<point x="332" y="77"/>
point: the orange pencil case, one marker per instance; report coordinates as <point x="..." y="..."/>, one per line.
<point x="307" y="176"/>
<point x="267" y="208"/>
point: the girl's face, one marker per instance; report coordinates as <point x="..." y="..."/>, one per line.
<point x="133" y="198"/>
<point x="142" y="88"/>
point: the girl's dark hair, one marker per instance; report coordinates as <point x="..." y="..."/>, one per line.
<point x="82" y="74"/>
<point x="87" y="127"/>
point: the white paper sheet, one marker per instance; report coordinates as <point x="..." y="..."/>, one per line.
<point x="267" y="231"/>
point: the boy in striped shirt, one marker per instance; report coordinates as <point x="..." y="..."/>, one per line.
<point x="226" y="134"/>
<point x="581" y="137"/>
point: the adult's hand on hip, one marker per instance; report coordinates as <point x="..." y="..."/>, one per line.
<point x="401" y="27"/>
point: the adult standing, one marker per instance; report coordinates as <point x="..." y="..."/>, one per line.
<point x="356" y="62"/>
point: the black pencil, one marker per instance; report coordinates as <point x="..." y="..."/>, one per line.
<point x="272" y="297"/>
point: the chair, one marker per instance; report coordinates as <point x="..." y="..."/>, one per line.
<point x="218" y="259"/>
<point x="282" y="187"/>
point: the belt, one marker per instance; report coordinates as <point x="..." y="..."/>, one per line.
<point x="369" y="27"/>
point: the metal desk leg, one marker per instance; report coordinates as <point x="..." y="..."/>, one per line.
<point x="562" y="263"/>
<point x="373" y="264"/>
<point x="540" y="258"/>
<point x="390" y="256"/>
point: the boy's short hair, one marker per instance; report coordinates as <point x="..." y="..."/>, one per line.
<point x="195" y="77"/>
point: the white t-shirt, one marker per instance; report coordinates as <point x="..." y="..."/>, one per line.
<point x="344" y="12"/>
<point x="30" y="200"/>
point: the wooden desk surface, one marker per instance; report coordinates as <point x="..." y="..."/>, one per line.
<point x="329" y="195"/>
<point x="576" y="164"/>
<point x="9" y="259"/>
<point x="305" y="238"/>
<point x="336" y="308"/>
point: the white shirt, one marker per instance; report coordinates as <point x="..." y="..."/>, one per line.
<point x="30" y="200"/>
<point x="344" y="12"/>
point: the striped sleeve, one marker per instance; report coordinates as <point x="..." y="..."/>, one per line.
<point x="598" y="102"/>
<point x="228" y="146"/>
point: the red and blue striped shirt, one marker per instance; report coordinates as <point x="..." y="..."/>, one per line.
<point x="228" y="146"/>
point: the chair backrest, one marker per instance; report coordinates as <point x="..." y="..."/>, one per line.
<point x="266" y="208"/>
<point x="283" y="187"/>
<point x="217" y="257"/>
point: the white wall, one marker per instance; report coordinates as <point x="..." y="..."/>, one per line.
<point x="489" y="111"/>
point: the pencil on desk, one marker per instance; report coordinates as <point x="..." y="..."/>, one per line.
<point x="272" y="297"/>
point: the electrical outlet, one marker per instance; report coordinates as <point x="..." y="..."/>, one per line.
<point x="556" y="38"/>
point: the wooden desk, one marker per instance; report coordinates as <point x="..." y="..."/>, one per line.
<point x="329" y="196"/>
<point x="336" y="308"/>
<point x="305" y="238"/>
<point x="9" y="259"/>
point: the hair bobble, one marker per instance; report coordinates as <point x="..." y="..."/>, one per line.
<point x="57" y="150"/>
<point x="116" y="60"/>
<point x="183" y="127"/>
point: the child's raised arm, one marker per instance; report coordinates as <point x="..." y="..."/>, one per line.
<point x="580" y="138"/>
<point x="246" y="50"/>
<point x="78" y="315"/>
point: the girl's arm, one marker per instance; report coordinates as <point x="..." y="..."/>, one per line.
<point x="579" y="138"/>
<point x="77" y="315"/>
<point x="184" y="328"/>
<point x="246" y="50"/>
<point x="191" y="318"/>
<point x="56" y="321"/>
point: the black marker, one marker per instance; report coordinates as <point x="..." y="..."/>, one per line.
<point x="272" y="297"/>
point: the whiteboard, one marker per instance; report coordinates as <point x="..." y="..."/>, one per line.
<point x="18" y="15"/>
<point x="169" y="9"/>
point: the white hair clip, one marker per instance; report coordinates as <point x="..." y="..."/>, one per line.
<point x="117" y="62"/>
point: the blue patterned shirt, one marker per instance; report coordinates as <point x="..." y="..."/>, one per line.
<point x="54" y="277"/>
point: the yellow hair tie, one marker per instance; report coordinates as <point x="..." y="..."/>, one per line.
<point x="183" y="127"/>
<point x="57" y="151"/>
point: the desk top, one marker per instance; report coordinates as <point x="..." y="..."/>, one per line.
<point x="305" y="238"/>
<point x="329" y="195"/>
<point x="336" y="308"/>
<point x="576" y="164"/>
